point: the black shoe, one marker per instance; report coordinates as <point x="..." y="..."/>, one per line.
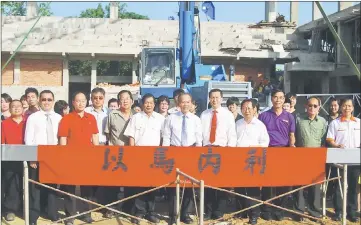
<point x="206" y="217"/>
<point x="152" y="219"/>
<point x="252" y="220"/>
<point x="187" y="219"/>
<point x="353" y="219"/>
<point x="315" y="214"/>
<point x="10" y="217"/>
<point x="86" y="219"/>
<point x="134" y="221"/>
<point x="337" y="217"/>
<point x="266" y="216"/>
<point x="216" y="216"/>
<point x="109" y="214"/>
<point x="278" y="217"/>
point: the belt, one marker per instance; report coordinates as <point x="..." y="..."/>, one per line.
<point x="193" y="145"/>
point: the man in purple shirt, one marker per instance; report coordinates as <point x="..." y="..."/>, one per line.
<point x="281" y="128"/>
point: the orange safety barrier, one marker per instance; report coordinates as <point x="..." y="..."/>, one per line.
<point x="154" y="166"/>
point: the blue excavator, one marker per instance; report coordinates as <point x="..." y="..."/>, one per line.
<point x="164" y="69"/>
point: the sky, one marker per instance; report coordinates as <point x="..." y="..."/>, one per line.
<point x="242" y="12"/>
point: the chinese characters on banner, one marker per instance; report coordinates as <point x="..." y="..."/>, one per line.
<point x="154" y="166"/>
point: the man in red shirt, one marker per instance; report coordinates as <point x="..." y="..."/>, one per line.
<point x="12" y="132"/>
<point x="78" y="128"/>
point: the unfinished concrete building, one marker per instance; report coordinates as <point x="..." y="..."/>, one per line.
<point x="253" y="49"/>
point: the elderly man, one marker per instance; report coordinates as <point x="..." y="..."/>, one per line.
<point x="344" y="132"/>
<point x="145" y="129"/>
<point x="311" y="132"/>
<point x="251" y="132"/>
<point x="182" y="129"/>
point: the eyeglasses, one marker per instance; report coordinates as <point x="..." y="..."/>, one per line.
<point x="46" y="100"/>
<point x="98" y="98"/>
<point x="314" y="106"/>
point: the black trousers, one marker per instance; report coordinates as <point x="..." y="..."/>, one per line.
<point x="313" y="199"/>
<point x="186" y="207"/>
<point x="86" y="192"/>
<point x="267" y="194"/>
<point x="253" y="192"/>
<point x="353" y="173"/>
<point x="12" y="177"/>
<point x="214" y="202"/>
<point x="144" y="204"/>
<point x="110" y="194"/>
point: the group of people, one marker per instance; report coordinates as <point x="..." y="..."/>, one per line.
<point x="124" y="123"/>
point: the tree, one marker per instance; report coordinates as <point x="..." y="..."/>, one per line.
<point x="19" y="9"/>
<point x="105" y="67"/>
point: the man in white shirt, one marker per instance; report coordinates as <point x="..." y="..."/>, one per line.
<point x="99" y="111"/>
<point x="344" y="132"/>
<point x="176" y="93"/>
<point x="145" y="129"/>
<point x="251" y="132"/>
<point x="182" y="129"/>
<point x="42" y="129"/>
<point x="218" y="130"/>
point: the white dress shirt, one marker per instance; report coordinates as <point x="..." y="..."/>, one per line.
<point x="173" y="110"/>
<point x="345" y="132"/>
<point x="146" y="130"/>
<point x="35" y="131"/>
<point x="226" y="127"/>
<point x="172" y="134"/>
<point x="101" y="118"/>
<point x="251" y="134"/>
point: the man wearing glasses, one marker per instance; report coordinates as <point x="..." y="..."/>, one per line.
<point x="42" y="129"/>
<point x="99" y="111"/>
<point x="281" y="128"/>
<point x="311" y="133"/>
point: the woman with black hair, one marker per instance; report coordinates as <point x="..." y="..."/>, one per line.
<point x="163" y="105"/>
<point x="5" y="103"/>
<point x="61" y="107"/>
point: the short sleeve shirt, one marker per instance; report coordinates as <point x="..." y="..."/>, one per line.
<point x="115" y="127"/>
<point x="78" y="130"/>
<point x="12" y="132"/>
<point x="345" y="132"/>
<point x="278" y="127"/>
<point x="310" y="133"/>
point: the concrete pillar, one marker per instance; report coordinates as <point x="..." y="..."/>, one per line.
<point x="344" y="31"/>
<point x="270" y="11"/>
<point x="134" y="71"/>
<point x="114" y="10"/>
<point x="286" y="79"/>
<point x="294" y="12"/>
<point x="93" y="78"/>
<point x="316" y="13"/>
<point x="66" y="78"/>
<point x="325" y="84"/>
<point x="31" y="9"/>
<point x="343" y="5"/>
<point x="17" y="71"/>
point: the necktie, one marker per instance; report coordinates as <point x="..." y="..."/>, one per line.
<point x="212" y="136"/>
<point x="49" y="130"/>
<point x="184" y="132"/>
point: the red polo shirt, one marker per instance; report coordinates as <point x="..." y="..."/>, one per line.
<point x="78" y="130"/>
<point x="12" y="132"/>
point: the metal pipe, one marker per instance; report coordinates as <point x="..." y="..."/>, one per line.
<point x="26" y="193"/>
<point x="177" y="191"/>
<point x="324" y="196"/>
<point x="201" y="203"/>
<point x="189" y="177"/>
<point x="344" y="200"/>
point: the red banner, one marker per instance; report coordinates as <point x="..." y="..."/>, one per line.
<point x="154" y="166"/>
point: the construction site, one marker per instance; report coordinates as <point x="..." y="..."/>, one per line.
<point x="42" y="52"/>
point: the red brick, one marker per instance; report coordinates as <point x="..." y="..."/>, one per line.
<point x="7" y="76"/>
<point x="41" y="72"/>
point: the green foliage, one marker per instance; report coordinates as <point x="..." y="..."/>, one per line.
<point x="105" y="68"/>
<point x="19" y="9"/>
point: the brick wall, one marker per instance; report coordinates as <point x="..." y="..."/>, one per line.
<point x="7" y="76"/>
<point x="41" y="72"/>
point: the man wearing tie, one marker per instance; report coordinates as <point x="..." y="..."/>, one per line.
<point x="42" y="129"/>
<point x="218" y="130"/>
<point x="182" y="128"/>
